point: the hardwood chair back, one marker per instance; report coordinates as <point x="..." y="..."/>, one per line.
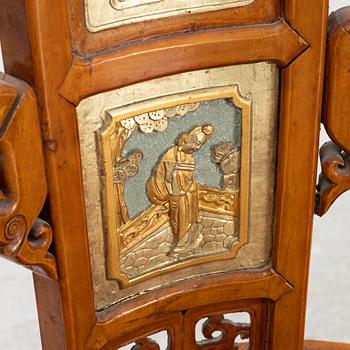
<point x="159" y="162"/>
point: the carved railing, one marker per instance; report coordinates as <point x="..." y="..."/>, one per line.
<point x="24" y="238"/>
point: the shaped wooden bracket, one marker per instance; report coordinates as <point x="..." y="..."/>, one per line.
<point x="24" y="238"/>
<point x="335" y="177"/>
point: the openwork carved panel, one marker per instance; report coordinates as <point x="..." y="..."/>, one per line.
<point x="239" y="325"/>
<point x="170" y="167"/>
<point x="220" y="332"/>
<point x="107" y="14"/>
<point x="158" y="341"/>
<point x="226" y="327"/>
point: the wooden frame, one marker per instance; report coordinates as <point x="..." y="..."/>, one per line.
<point x="64" y="63"/>
<point x="85" y="42"/>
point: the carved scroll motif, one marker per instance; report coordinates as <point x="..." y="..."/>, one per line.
<point x="146" y="344"/>
<point x="335" y="177"/>
<point x="24" y="238"/>
<point x="229" y="331"/>
<point x="226" y="326"/>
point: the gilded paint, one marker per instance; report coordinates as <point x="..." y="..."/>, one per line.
<point x="124" y="138"/>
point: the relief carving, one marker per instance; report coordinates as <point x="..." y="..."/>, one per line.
<point x="123" y="4"/>
<point x="130" y="256"/>
<point x="186" y="221"/>
<point x="102" y="14"/>
<point x="24" y="239"/>
<point x="229" y="160"/>
<point x="173" y="184"/>
<point x="229" y="330"/>
<point x="146" y="344"/>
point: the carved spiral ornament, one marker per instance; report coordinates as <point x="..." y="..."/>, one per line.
<point x="146" y="344"/>
<point x="335" y="177"/>
<point x="14" y="232"/>
<point x="229" y="331"/>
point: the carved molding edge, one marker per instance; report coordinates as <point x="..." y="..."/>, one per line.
<point x="335" y="177"/>
<point x="269" y="285"/>
<point x="104" y="14"/>
<point x="24" y="238"/>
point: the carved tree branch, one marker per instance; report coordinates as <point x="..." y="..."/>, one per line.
<point x="23" y="237"/>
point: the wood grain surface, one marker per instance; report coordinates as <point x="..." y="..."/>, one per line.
<point x="319" y="345"/>
<point x="64" y="63"/>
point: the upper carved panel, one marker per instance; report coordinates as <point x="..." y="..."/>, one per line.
<point x="108" y="14"/>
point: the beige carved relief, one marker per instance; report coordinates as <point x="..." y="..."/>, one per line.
<point x="214" y="233"/>
<point x="133" y="252"/>
<point x="124" y="4"/>
<point x="102" y="14"/>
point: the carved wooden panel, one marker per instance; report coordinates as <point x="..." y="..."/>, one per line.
<point x="107" y="14"/>
<point x="177" y="180"/>
<point x="226" y="326"/>
<point x="224" y="331"/>
<point x="169" y="169"/>
<point x="239" y="325"/>
<point x="158" y="341"/>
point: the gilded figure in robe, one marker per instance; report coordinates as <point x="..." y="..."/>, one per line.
<point x="173" y="183"/>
